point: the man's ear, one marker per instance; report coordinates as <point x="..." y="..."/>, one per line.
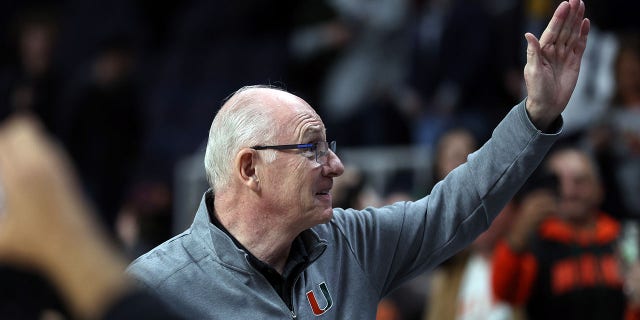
<point x="245" y="168"/>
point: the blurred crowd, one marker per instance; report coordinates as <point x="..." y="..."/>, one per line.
<point x="129" y="88"/>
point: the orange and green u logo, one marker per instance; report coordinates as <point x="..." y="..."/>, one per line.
<point x="314" y="303"/>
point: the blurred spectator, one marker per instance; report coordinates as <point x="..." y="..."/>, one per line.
<point x="559" y="258"/>
<point x="507" y="27"/>
<point x="55" y="260"/>
<point x="144" y="221"/>
<point x="407" y="301"/>
<point x="595" y="85"/>
<point x="213" y="48"/>
<point x="32" y="84"/>
<point x="358" y="92"/>
<point x="452" y="150"/>
<point x="351" y="190"/>
<point x="399" y="186"/>
<point x="442" y="300"/>
<point x="318" y="37"/>
<point x="460" y="287"/>
<point x="86" y="25"/>
<point x="617" y="138"/>
<point x="451" y="79"/>
<point x="104" y="128"/>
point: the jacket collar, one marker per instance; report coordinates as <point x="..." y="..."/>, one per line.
<point x="208" y="239"/>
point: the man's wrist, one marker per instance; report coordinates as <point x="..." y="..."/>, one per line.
<point x="542" y="120"/>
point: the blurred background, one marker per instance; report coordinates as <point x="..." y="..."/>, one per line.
<point x="130" y="87"/>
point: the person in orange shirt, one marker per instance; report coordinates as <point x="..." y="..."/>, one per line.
<point x="559" y="259"/>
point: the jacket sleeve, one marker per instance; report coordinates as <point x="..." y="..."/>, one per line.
<point x="512" y="274"/>
<point x="395" y="243"/>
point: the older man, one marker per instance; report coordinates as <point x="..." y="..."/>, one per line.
<point x="266" y="242"/>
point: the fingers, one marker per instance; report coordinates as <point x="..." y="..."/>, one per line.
<point x="570" y="26"/>
<point x="581" y="44"/>
<point x="550" y="34"/>
<point x="533" y="49"/>
<point x="570" y="32"/>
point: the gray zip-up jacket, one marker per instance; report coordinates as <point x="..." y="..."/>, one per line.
<point x="359" y="256"/>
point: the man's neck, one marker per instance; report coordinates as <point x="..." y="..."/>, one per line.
<point x="266" y="242"/>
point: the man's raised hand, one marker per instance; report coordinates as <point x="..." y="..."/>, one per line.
<point x="553" y="62"/>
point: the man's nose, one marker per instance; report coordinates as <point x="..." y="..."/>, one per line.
<point x="334" y="167"/>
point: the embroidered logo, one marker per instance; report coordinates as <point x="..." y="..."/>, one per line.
<point x="313" y="302"/>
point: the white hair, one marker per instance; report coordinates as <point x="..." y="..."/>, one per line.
<point x="243" y="121"/>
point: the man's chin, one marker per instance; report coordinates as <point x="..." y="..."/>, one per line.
<point x="326" y="216"/>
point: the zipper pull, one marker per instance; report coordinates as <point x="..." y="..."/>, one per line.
<point x="293" y="314"/>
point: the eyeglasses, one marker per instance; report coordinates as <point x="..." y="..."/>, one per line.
<point x="319" y="149"/>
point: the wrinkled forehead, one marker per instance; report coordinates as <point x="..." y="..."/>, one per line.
<point x="304" y="126"/>
<point x="295" y="118"/>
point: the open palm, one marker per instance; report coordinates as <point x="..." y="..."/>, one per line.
<point x="553" y="62"/>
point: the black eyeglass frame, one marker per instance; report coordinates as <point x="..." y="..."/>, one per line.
<point x="330" y="145"/>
